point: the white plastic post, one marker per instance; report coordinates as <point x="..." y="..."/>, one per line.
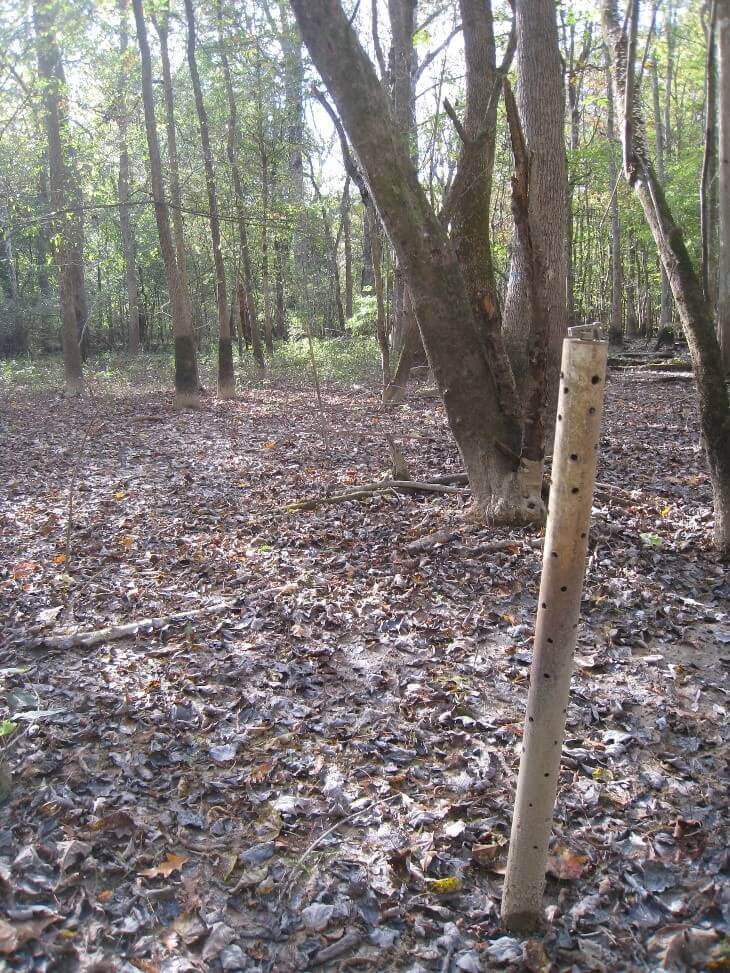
<point x="580" y="405"/>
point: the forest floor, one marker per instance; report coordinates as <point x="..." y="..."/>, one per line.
<point x="286" y="783"/>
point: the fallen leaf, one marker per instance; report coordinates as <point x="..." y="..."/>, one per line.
<point x="566" y="865"/>
<point x="173" y="863"/>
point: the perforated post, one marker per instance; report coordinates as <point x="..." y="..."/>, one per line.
<point x="580" y="404"/>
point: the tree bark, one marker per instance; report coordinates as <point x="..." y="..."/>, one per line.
<point x="708" y="181"/>
<point x="65" y="197"/>
<point x="661" y="130"/>
<point x="376" y="250"/>
<point x="226" y="377"/>
<point x="187" y="384"/>
<point x="540" y="103"/>
<point x="347" y="244"/>
<point x="247" y="287"/>
<point x="125" y="221"/>
<point x="723" y="297"/>
<point x="488" y="439"/>
<point x="615" y="329"/>
<point x="686" y="286"/>
<point x="161" y="21"/>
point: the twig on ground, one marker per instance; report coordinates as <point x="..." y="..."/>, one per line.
<point x="91" y="638"/>
<point x="367" y="489"/>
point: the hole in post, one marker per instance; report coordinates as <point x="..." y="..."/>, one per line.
<point x="547" y="675"/>
<point x="565" y="389"/>
<point x="592" y="410"/>
<point x="554" y="554"/>
<point x="550" y="641"/>
<point x="562" y="374"/>
<point x="531" y="719"/>
<point x="560" y="418"/>
<point x="575" y="490"/>
<point x="544" y="604"/>
<point x="595" y="380"/>
<point x="564" y="587"/>
<point x="574" y="456"/>
<point x="583" y="536"/>
<point x="546" y="775"/>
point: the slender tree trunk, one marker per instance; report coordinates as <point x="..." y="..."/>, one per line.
<point x="617" y="283"/>
<point x="64" y="193"/>
<point x="226" y="377"/>
<point x="17" y="341"/>
<point x="723" y="301"/>
<point x="42" y="240"/>
<point x="662" y="140"/>
<point x="367" y="283"/>
<point x="347" y="243"/>
<point x="125" y="220"/>
<point x="376" y="250"/>
<point x="187" y="384"/>
<point x="708" y="183"/>
<point x="161" y="21"/>
<point x="686" y="286"/>
<point x="280" y="252"/>
<point x="402" y="73"/>
<point x="294" y="109"/>
<point x="247" y="286"/>
<point x="268" y="323"/>
<point x="540" y="102"/>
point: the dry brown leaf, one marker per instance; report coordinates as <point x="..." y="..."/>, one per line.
<point x="566" y="865"/>
<point x="173" y="863"/>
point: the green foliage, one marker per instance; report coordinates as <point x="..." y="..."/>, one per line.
<point x="364" y="317"/>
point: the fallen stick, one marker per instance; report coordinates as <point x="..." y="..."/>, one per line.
<point x="91" y="638"/>
<point x="367" y="489"/>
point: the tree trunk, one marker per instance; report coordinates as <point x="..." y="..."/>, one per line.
<point x="367" y="281"/>
<point x="708" y="182"/>
<point x="226" y="377"/>
<point x="248" y="288"/>
<point x="615" y="329"/>
<point x="686" y="286"/>
<point x="723" y="301"/>
<point x="540" y="102"/>
<point x="187" y="384"/>
<point x="662" y="139"/>
<point x="376" y="250"/>
<point x="268" y="323"/>
<point x="125" y="221"/>
<point x="488" y="439"/>
<point x="42" y="240"/>
<point x="65" y="196"/>
<point x="402" y="74"/>
<point x="161" y="22"/>
<point x="347" y="242"/>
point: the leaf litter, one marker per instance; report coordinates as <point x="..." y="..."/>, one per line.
<point x="320" y="777"/>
